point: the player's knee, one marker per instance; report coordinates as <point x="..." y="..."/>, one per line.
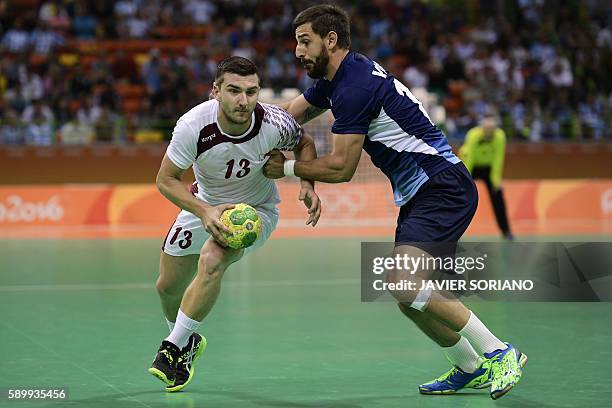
<point x="211" y="263"/>
<point x="215" y="258"/>
<point x="398" y="282"/>
<point x="166" y="287"/>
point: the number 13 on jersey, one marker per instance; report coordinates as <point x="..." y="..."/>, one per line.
<point x="242" y="171"/>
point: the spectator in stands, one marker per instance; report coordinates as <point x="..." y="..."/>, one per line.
<point x="591" y="114"/>
<point x="16" y="98"/>
<point x="80" y="84"/>
<point x="559" y="72"/>
<point x="201" y="11"/>
<point x="12" y="130"/>
<point x="39" y="131"/>
<point x="151" y="71"/>
<point x="100" y="69"/>
<point x="32" y="85"/>
<point x="454" y="68"/>
<point x="125" y="9"/>
<point x="35" y="110"/>
<point x="43" y="40"/>
<point x="547" y="84"/>
<point x="55" y="15"/>
<point x="16" y="39"/>
<point x="107" y="97"/>
<point x="416" y="76"/>
<point x="138" y="25"/>
<point x="75" y="132"/>
<point x="202" y="67"/>
<point x="84" y="23"/>
<point x="104" y="126"/>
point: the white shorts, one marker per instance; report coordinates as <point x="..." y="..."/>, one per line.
<point x="187" y="234"/>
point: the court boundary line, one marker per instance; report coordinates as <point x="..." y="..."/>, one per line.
<point x="86" y="371"/>
<point x="150" y="285"/>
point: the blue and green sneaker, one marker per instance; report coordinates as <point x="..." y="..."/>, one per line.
<point x="456" y="379"/>
<point x="506" y="369"/>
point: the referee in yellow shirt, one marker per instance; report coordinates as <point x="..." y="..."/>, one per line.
<point x="483" y="154"/>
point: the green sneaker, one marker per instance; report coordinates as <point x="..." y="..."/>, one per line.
<point x="485" y="381"/>
<point x="506" y="370"/>
<point x="456" y="379"/>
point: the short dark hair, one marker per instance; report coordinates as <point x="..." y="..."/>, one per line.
<point x="325" y="18"/>
<point x="235" y="65"/>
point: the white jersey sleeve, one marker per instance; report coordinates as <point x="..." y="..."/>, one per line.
<point x="290" y="132"/>
<point x="183" y="147"/>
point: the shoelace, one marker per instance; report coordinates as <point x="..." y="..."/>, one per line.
<point x="448" y="375"/>
<point x="188" y="356"/>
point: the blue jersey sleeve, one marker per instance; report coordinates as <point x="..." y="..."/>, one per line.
<point x="354" y="109"/>
<point x="318" y="94"/>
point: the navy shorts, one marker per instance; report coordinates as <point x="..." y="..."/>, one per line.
<point x="441" y="210"/>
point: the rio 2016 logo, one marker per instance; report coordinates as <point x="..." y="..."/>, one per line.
<point x="606" y="202"/>
<point x="16" y="209"/>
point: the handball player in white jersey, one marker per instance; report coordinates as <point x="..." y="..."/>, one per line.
<point x="225" y="140"/>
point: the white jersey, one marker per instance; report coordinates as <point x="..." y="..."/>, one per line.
<point x="229" y="169"/>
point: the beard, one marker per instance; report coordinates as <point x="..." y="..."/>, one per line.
<point x="237" y="120"/>
<point x="234" y="117"/>
<point x="319" y="66"/>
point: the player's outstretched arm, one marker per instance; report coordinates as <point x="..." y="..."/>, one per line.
<point x="170" y="185"/>
<point x="337" y="167"/>
<point x="301" y="110"/>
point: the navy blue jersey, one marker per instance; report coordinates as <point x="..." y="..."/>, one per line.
<point x="400" y="138"/>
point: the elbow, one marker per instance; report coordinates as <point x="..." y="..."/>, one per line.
<point x="341" y="172"/>
<point x="345" y="177"/>
<point x="160" y="182"/>
<point x="341" y="176"/>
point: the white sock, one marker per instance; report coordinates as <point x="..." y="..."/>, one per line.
<point x="480" y="337"/>
<point x="183" y="328"/>
<point x="463" y="355"/>
<point x="170" y="324"/>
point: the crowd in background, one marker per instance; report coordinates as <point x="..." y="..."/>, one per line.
<point x="543" y="67"/>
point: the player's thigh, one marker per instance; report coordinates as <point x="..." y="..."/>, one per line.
<point x="180" y="252"/>
<point x="441" y="211"/>
<point x="215" y="258"/>
<point x="186" y="236"/>
<point x="175" y="272"/>
<point x="268" y="215"/>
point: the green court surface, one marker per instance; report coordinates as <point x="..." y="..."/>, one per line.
<point x="289" y="330"/>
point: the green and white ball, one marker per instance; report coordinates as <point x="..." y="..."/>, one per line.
<point x="244" y="223"/>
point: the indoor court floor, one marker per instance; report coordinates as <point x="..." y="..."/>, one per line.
<point x="289" y="330"/>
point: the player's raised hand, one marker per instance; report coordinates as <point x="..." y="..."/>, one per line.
<point x="273" y="169"/>
<point x="213" y="225"/>
<point x="313" y="203"/>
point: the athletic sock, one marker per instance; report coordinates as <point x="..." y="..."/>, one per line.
<point x="480" y="337"/>
<point x="170" y="324"/>
<point x="183" y="328"/>
<point x="463" y="355"/>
